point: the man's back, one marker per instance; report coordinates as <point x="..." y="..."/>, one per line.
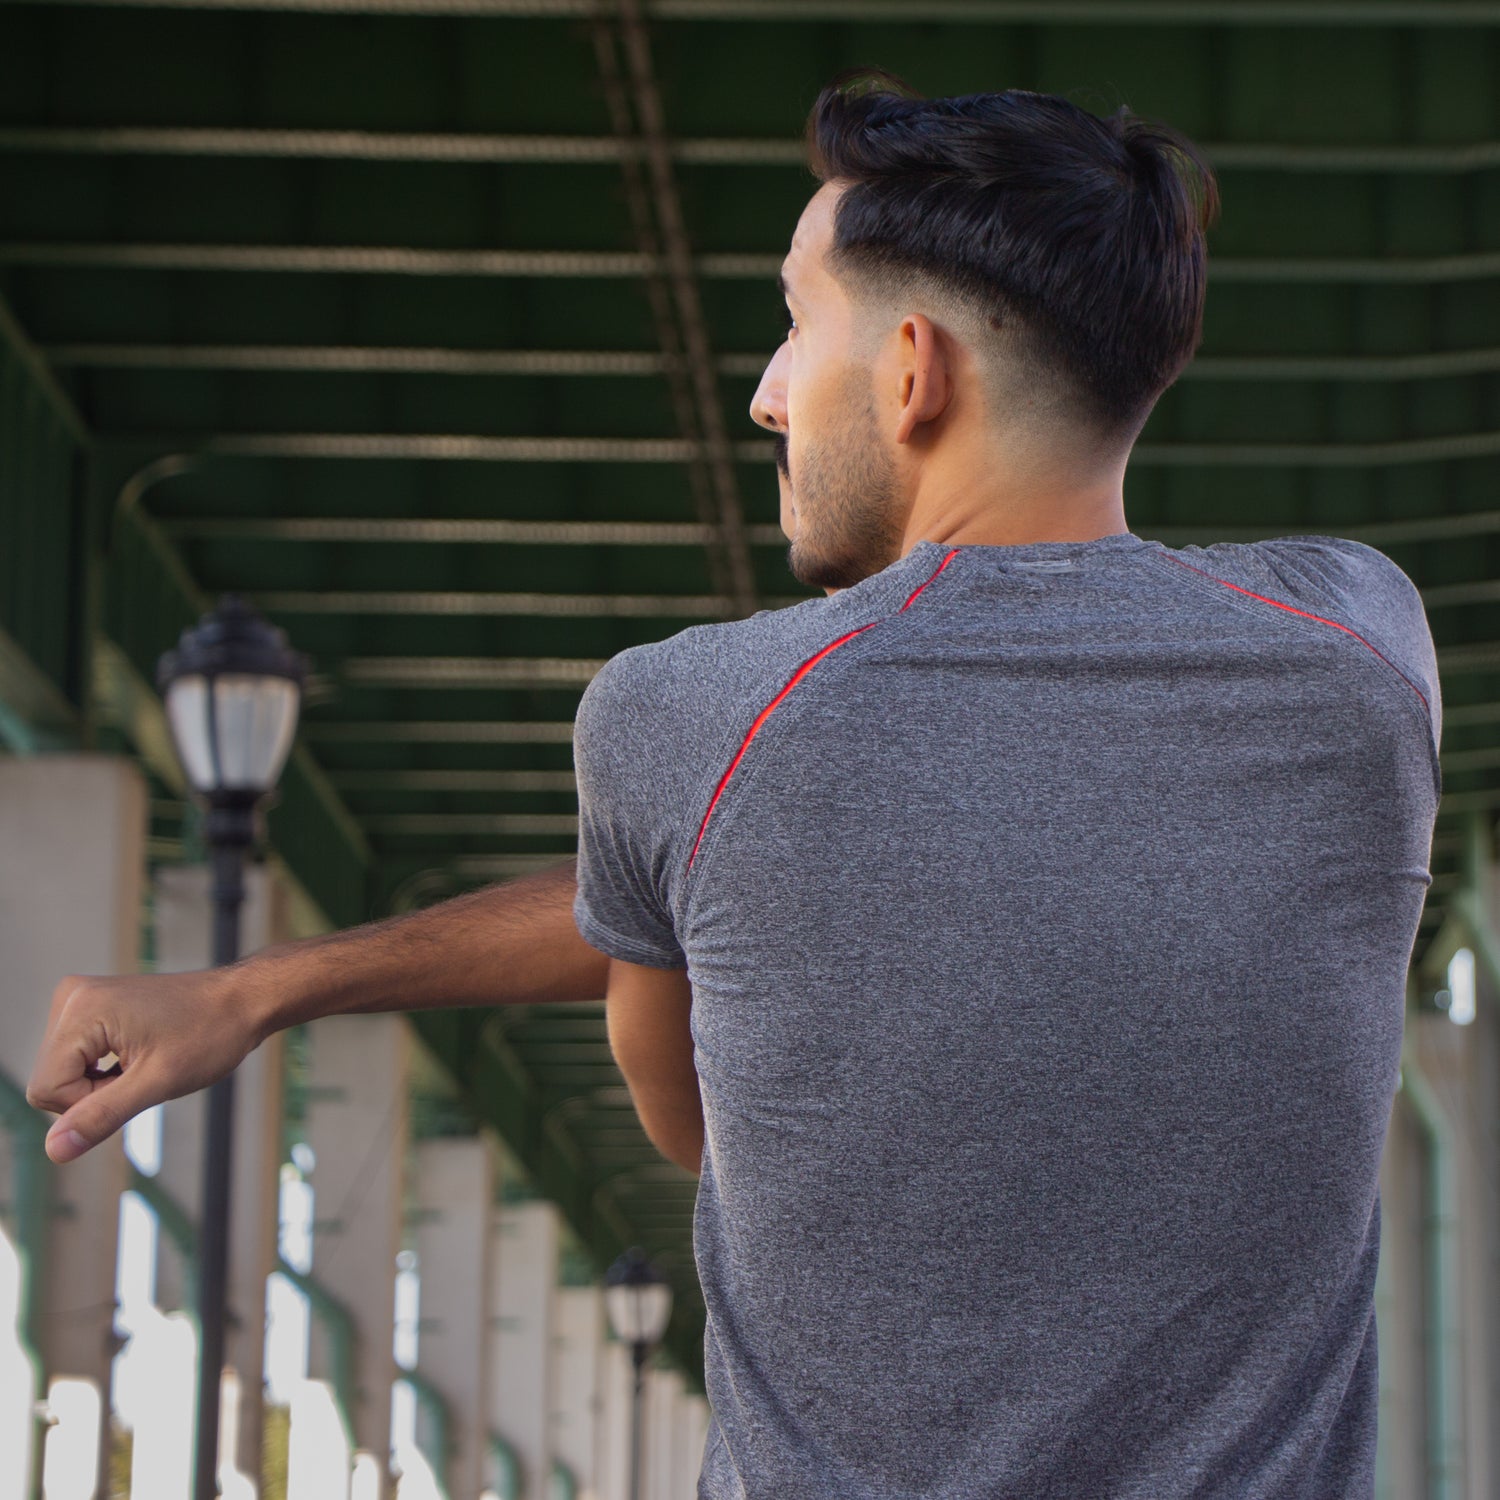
<point x="1048" y="938"/>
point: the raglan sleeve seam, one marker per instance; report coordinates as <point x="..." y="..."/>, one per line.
<point x="1414" y="660"/>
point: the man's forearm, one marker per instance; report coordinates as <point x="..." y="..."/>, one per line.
<point x="510" y="944"/>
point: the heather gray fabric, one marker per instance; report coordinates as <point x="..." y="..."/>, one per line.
<point x="1048" y="948"/>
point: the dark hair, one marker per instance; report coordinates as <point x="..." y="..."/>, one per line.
<point x="1084" y="236"/>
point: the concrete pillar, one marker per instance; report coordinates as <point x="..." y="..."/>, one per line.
<point x="1483" y="1133"/>
<point x="692" y="1431"/>
<point x="72" y="828"/>
<point x="522" y="1319"/>
<point x="453" y="1194"/>
<point x="356" y="1125"/>
<point x="616" y="1384"/>
<point x="182" y="917"/>
<point x="578" y="1353"/>
<point x="1451" y="1059"/>
<point x="659" y="1480"/>
<point x="1400" y="1309"/>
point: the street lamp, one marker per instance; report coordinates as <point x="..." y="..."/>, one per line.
<point x="639" y="1302"/>
<point x="232" y="688"/>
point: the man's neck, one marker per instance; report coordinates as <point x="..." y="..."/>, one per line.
<point x="996" y="527"/>
<point x="1012" y="505"/>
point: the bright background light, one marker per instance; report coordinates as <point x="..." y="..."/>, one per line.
<point x="17" y="1379"/>
<point x="1461" y="987"/>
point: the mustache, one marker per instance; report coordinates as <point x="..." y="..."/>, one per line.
<point x="778" y="442"/>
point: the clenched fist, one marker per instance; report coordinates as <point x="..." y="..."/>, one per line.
<point x="170" y="1034"/>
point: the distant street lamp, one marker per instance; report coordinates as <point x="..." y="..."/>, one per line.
<point x="232" y="689"/>
<point x="639" y="1303"/>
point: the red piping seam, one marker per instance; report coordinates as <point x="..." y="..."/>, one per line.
<point x="797" y="677"/>
<point x="1319" y="618"/>
<point x="921" y="586"/>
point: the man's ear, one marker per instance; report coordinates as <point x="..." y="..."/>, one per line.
<point x="925" y="373"/>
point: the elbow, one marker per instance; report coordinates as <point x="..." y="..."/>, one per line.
<point x="681" y="1147"/>
<point x="672" y="1119"/>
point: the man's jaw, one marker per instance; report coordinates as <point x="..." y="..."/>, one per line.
<point x="784" y="485"/>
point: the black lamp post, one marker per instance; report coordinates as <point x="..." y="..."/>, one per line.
<point x="232" y="689"/>
<point x="639" y="1303"/>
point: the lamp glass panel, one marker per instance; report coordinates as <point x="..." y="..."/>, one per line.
<point x="256" y="720"/>
<point x="638" y="1313"/>
<point x="187" y="713"/>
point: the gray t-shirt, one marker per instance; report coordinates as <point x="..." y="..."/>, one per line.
<point x="1048" y="911"/>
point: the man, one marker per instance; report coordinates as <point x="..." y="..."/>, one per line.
<point x="1016" y="939"/>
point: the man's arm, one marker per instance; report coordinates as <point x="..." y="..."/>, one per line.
<point x="647" y="1011"/>
<point x="510" y="944"/>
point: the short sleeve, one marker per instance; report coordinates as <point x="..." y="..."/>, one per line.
<point x="1371" y="594"/>
<point x="1358" y="586"/>
<point x="627" y="815"/>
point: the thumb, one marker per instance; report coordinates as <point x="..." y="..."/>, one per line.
<point x="97" y="1116"/>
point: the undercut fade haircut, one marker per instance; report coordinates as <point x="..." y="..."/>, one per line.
<point x="1080" y="239"/>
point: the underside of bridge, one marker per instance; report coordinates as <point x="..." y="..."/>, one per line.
<point x="430" y="326"/>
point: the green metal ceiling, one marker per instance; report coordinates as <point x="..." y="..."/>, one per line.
<point x="431" y="326"/>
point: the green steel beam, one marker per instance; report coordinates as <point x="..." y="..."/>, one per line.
<point x="1476" y="656"/>
<point x="362" y="359"/>
<point x="411" y="824"/>
<point x="490" y="532"/>
<point x="670" y="534"/>
<point x="401" y="260"/>
<point x="468" y="603"/>
<point x="34" y="714"/>
<point x="472" y="447"/>
<point x="1256" y="13"/>
<point x="471" y="146"/>
<point x="44" y="606"/>
<point x="43" y="385"/>
<point x="464" y="781"/>
<point x="365" y="359"/>
<point x="419" y="731"/>
<point x="1238" y="13"/>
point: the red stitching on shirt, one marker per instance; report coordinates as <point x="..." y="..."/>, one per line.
<point x="1292" y="609"/>
<point x="921" y="586"/>
<point x="797" y="677"/>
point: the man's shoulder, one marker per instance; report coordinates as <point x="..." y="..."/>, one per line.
<point x="714" y="664"/>
<point x="678" y="686"/>
<point x="709" y="675"/>
<point x="1346" y="582"/>
<point x="1338" y="567"/>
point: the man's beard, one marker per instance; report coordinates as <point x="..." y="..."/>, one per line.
<point x="848" y="527"/>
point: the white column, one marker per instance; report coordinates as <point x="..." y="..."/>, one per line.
<point x="454" y="1190"/>
<point x="578" y="1347"/>
<point x="1400" y="1307"/>
<point x="182" y="919"/>
<point x="524" y="1289"/>
<point x="1455" y="1061"/>
<point x="616" y="1387"/>
<point x="72" y="832"/>
<point x="692" y="1431"/>
<point x="356" y="1126"/>
<point x="663" y="1400"/>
